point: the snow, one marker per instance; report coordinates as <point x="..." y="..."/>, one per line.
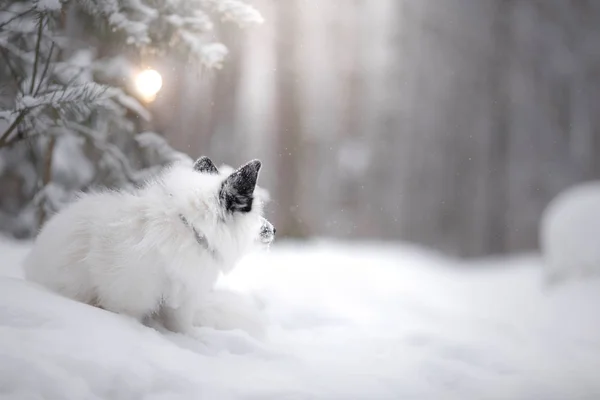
<point x="569" y="233"/>
<point x="341" y="321"/>
<point x="237" y="11"/>
<point x="48" y="5"/>
<point x="210" y="55"/>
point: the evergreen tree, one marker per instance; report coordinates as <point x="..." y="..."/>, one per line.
<point x="69" y="119"/>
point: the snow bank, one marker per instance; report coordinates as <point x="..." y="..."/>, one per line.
<point x="344" y="322"/>
<point x="570" y="233"/>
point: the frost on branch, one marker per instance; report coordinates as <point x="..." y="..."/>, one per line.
<point x="48" y="5"/>
<point x="163" y="23"/>
<point x="130" y="17"/>
<point x="235" y="11"/>
<point x="75" y="99"/>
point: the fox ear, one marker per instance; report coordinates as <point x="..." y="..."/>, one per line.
<point x="237" y="191"/>
<point x="204" y="164"/>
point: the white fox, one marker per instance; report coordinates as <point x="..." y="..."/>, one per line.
<point x="157" y="250"/>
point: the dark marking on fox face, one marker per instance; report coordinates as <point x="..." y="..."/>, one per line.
<point x="204" y="164"/>
<point x="237" y="191"/>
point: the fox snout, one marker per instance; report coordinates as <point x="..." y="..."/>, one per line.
<point x="267" y="232"/>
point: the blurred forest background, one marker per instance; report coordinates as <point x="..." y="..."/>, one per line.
<point x="451" y="123"/>
<point x="447" y="123"/>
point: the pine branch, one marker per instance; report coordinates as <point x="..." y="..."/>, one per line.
<point x="37" y="52"/>
<point x="4" y="138"/>
<point x="47" y="176"/>
<point x="68" y="100"/>
<point x="48" y="60"/>
<point x="19" y="15"/>
<point x="118" y="19"/>
<point x="16" y="51"/>
<point x="106" y="148"/>
<point x="19" y="138"/>
<point x="13" y="72"/>
<point x="16" y="139"/>
<point x="237" y="11"/>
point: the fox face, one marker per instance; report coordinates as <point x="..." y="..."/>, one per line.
<point x="267" y="231"/>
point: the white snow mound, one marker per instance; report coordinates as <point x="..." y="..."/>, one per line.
<point x="570" y="233"/>
<point x="339" y="322"/>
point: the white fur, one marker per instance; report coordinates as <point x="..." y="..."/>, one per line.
<point x="130" y="252"/>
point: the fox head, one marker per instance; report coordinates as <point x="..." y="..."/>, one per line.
<point x="222" y="204"/>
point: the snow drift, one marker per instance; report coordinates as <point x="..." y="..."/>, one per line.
<point x="340" y="322"/>
<point x="570" y="233"/>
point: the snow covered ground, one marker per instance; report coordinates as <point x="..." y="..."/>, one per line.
<point x="343" y="322"/>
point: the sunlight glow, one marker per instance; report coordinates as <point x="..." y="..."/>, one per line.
<point x="148" y="83"/>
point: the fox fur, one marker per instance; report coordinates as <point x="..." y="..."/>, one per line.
<point x="156" y="250"/>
